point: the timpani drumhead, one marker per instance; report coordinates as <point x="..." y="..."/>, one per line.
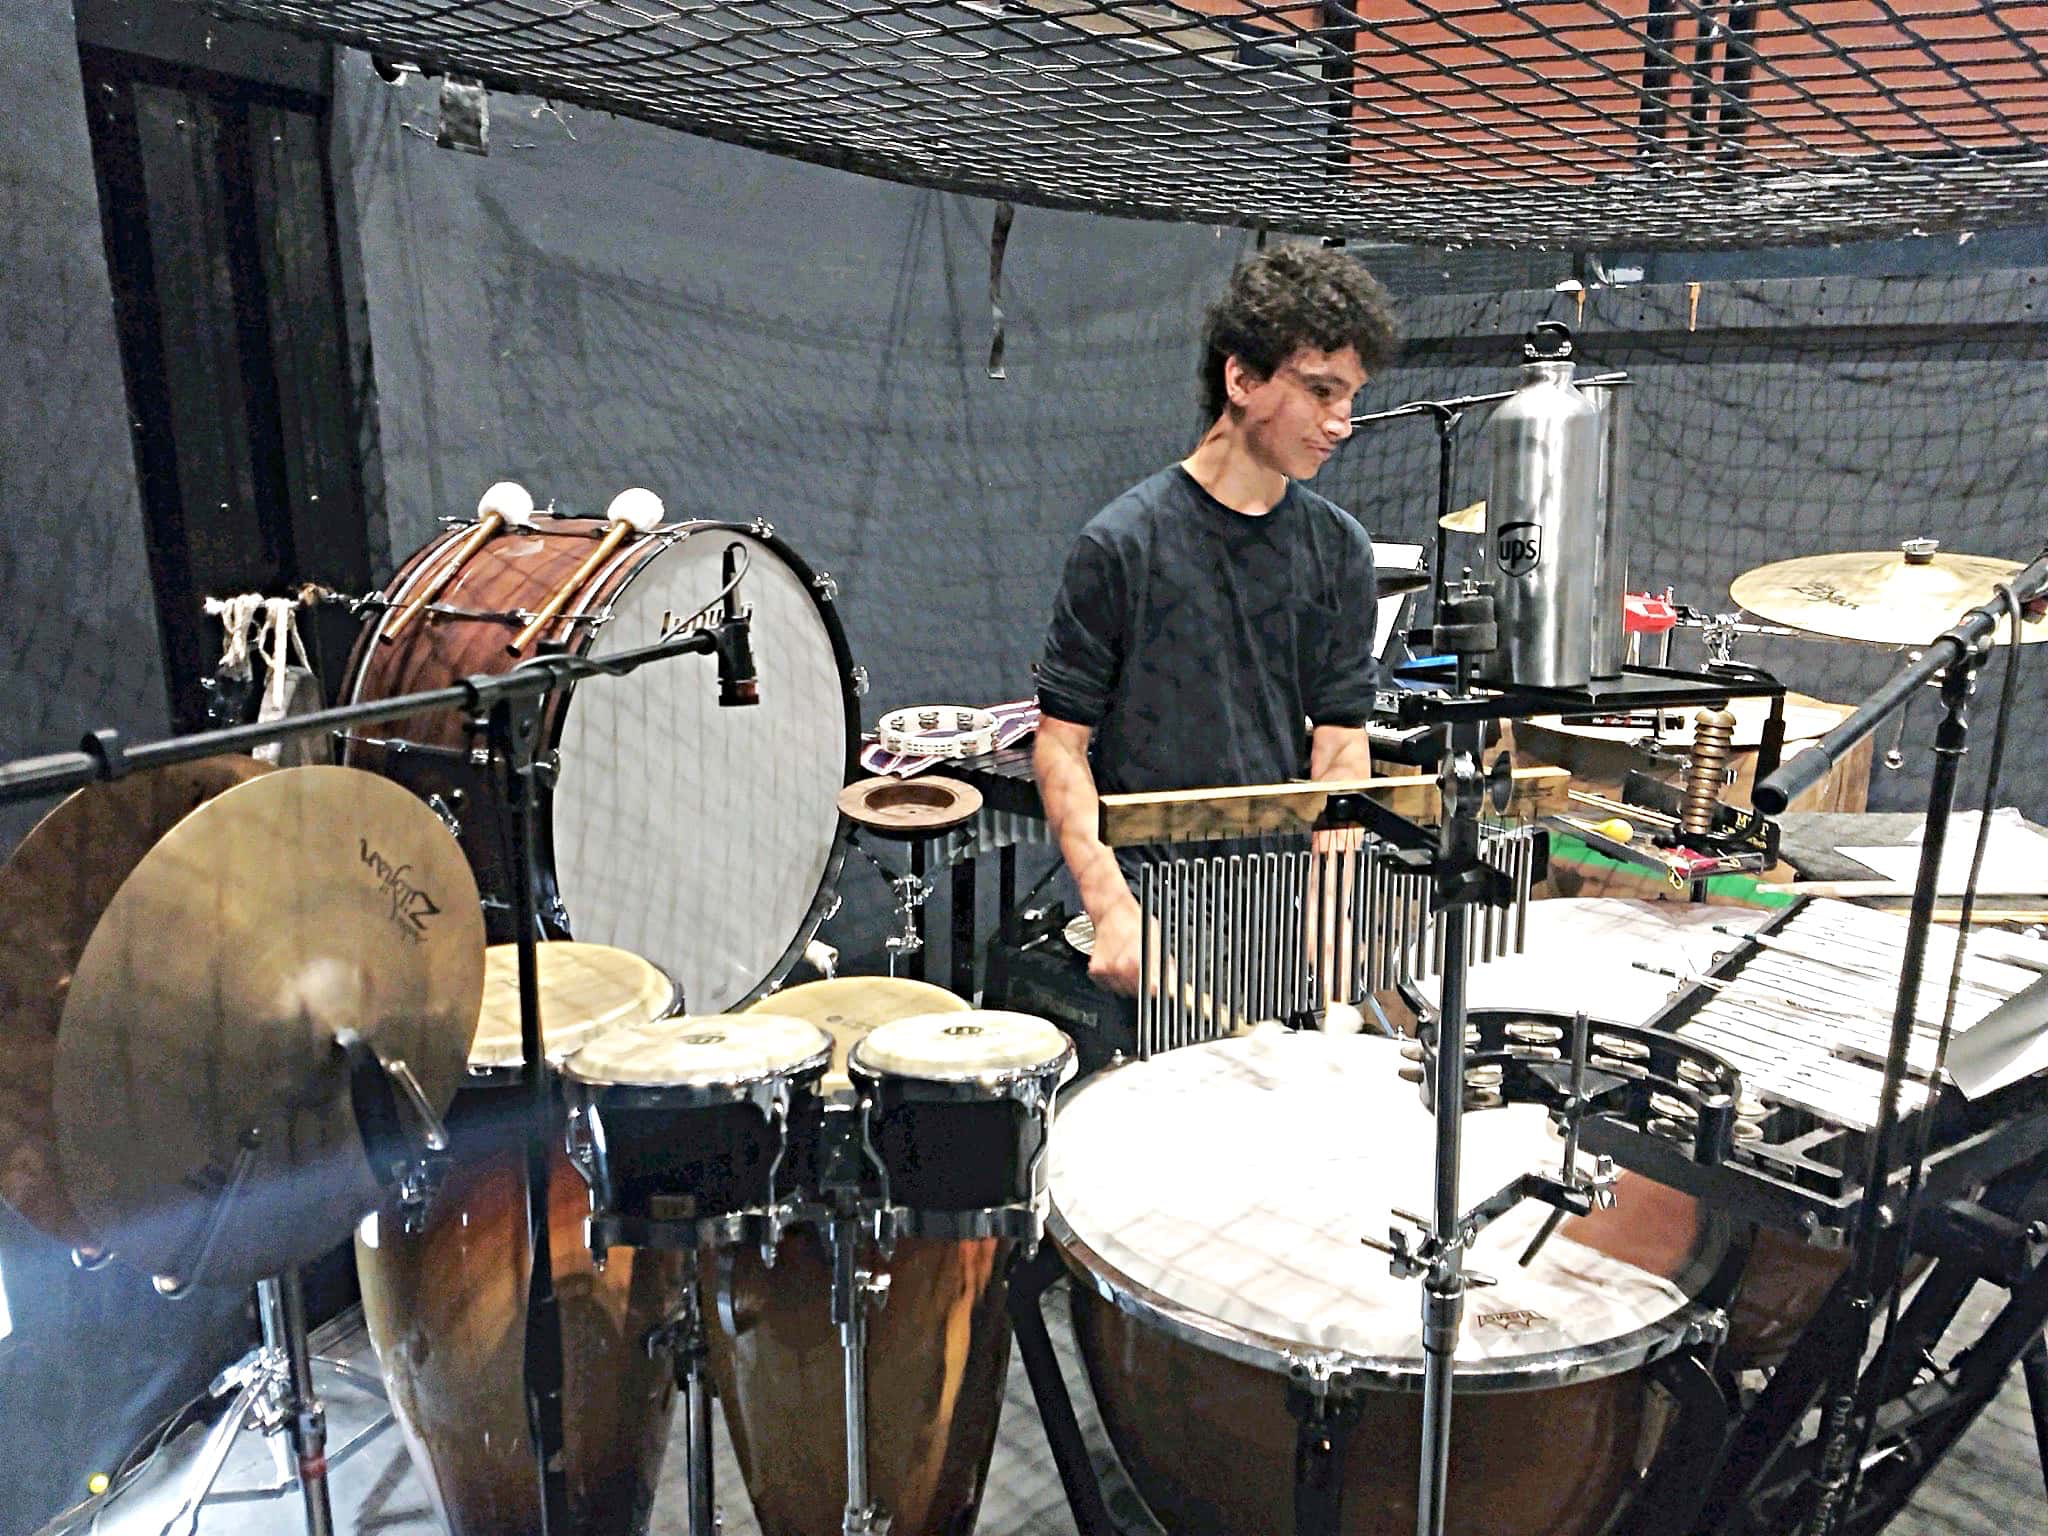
<point x="699" y="1051"/>
<point x="1223" y="1188"/>
<point x="585" y="989"/>
<point x="848" y="1007"/>
<point x="979" y="1045"/>
<point x="702" y="836"/>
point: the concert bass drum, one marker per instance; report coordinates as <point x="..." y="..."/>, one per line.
<point x="705" y="838"/>
<point x="1210" y="1203"/>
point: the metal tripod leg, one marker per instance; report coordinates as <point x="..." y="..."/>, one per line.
<point x="2034" y="1367"/>
<point x="854" y="1290"/>
<point x="275" y="1390"/>
<point x="690" y="1355"/>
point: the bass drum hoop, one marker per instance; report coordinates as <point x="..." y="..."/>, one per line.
<point x="1352" y="1373"/>
<point x="826" y="897"/>
<point x="603" y="591"/>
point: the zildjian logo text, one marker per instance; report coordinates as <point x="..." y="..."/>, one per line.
<point x="410" y="906"/>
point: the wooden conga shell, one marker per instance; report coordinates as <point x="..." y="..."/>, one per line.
<point x="938" y="1352"/>
<point x="446" y="1310"/>
<point x="1556" y="1461"/>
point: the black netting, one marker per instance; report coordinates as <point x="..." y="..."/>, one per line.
<point x="1652" y="123"/>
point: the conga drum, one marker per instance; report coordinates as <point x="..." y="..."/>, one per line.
<point x="1210" y="1204"/>
<point x="707" y="839"/>
<point x="939" y="1350"/>
<point x="446" y="1305"/>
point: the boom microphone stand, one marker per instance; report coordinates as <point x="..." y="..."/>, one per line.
<point x="1956" y="657"/>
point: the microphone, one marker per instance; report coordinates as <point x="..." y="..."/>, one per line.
<point x="734" y="640"/>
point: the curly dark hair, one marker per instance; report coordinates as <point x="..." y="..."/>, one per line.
<point x="1288" y="297"/>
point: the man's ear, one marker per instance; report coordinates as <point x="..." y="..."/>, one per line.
<point x="1239" y="380"/>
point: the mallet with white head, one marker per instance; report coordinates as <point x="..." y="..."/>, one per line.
<point x="507" y="502"/>
<point x="631" y="512"/>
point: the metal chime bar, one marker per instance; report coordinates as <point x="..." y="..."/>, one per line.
<point x="1280" y="930"/>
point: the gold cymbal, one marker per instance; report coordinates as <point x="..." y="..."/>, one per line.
<point x="200" y="1036"/>
<point x="1883" y="596"/>
<point x="53" y="890"/>
<point x="1470" y="519"/>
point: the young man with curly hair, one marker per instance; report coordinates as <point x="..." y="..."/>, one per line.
<point x="1211" y="610"/>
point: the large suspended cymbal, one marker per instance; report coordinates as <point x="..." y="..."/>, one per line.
<point x="1886" y="597"/>
<point x="203" y="1019"/>
<point x="53" y="891"/>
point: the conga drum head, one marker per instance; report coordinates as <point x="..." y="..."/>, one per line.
<point x="698" y="1052"/>
<point x="585" y="989"/>
<point x="848" y="1007"/>
<point x="983" y="1046"/>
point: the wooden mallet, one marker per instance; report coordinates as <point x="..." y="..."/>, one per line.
<point x="506" y="502"/>
<point x="632" y="511"/>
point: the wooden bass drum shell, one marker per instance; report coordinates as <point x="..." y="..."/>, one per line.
<point x="446" y="1310"/>
<point x="938" y="1353"/>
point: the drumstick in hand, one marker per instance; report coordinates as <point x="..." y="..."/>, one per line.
<point x="505" y="502"/>
<point x="632" y="511"/>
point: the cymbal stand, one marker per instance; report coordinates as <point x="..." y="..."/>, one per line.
<point x="683" y="1336"/>
<point x="273" y="1390"/>
<point x="854" y="1214"/>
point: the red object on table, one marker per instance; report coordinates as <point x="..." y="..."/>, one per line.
<point x="1644" y="614"/>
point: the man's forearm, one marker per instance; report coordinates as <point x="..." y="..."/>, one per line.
<point x="1066" y="789"/>
<point x="1339" y="753"/>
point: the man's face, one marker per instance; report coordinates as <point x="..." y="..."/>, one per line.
<point x="1293" y="421"/>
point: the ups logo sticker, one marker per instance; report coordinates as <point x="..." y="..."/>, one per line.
<point x="1518" y="548"/>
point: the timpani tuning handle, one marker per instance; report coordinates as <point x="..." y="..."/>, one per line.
<point x="632" y="511"/>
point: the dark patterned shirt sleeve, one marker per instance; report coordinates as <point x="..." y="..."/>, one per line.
<point x="1084" y="643"/>
<point x="1342" y="692"/>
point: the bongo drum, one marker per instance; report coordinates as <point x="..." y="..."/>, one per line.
<point x="446" y="1305"/>
<point x="960" y="1111"/>
<point x="938" y="1352"/>
<point x="705" y="838"/>
<point x="1209" y="1203"/>
<point x="847" y="1007"/>
<point x="695" y="1129"/>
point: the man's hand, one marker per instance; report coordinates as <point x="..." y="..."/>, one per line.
<point x="1115" y="962"/>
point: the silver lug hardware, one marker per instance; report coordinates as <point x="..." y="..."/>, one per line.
<point x="761" y="528"/>
<point x="445" y="814"/>
<point x="826" y="585"/>
<point x="860" y="682"/>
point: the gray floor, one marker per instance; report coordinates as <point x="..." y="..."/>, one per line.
<point x="1991" y="1483"/>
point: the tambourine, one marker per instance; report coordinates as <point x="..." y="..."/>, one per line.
<point x="937" y="730"/>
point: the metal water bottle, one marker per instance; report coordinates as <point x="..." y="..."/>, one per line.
<point x="1543" y="521"/>
<point x="1610" y="554"/>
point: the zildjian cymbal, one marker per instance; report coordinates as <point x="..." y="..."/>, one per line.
<point x="202" y="1094"/>
<point x="53" y="891"/>
<point x="1905" y="596"/>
